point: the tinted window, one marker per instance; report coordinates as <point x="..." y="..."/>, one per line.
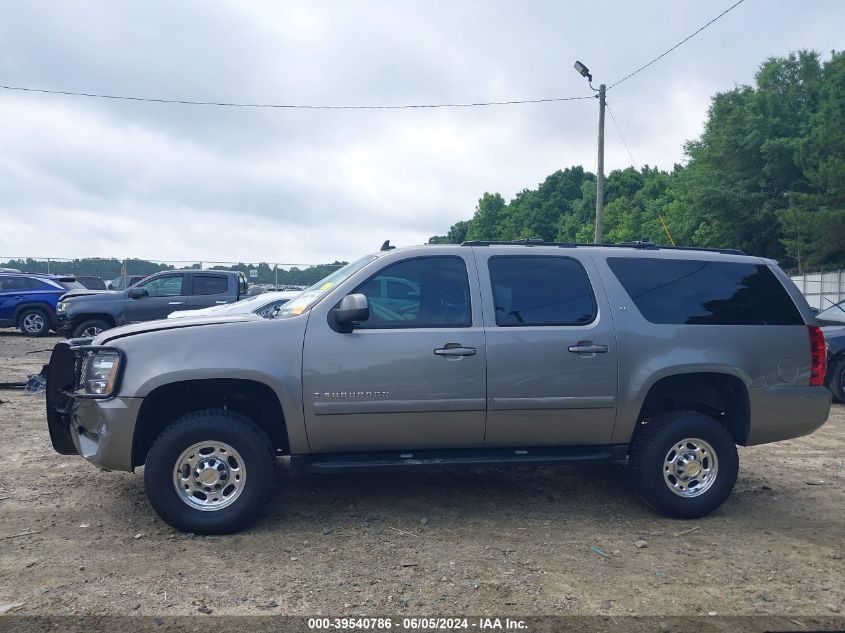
<point x="210" y="284"/>
<point x="705" y="292"/>
<point x="541" y="291"/>
<point x="14" y="283"/>
<point x="169" y="286"/>
<point x="434" y="293"/>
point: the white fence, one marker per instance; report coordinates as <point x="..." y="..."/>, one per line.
<point x="821" y="289"/>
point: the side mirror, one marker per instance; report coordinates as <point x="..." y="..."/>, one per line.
<point x="352" y="308"/>
<point x="138" y="293"/>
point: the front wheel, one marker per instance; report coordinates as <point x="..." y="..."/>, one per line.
<point x="684" y="463"/>
<point x="210" y="472"/>
<point x="90" y="328"/>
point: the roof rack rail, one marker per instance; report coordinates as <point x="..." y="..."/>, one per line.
<point x="640" y="244"/>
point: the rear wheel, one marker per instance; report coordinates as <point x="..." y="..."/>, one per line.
<point x="210" y="472"/>
<point x="837" y="380"/>
<point x="90" y="328"/>
<point x="684" y="463"/>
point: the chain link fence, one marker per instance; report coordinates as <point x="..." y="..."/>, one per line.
<point x="99" y="272"/>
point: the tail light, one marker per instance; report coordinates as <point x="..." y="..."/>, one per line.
<point x="818" y="356"/>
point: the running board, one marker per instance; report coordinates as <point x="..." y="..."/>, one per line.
<point x="460" y="458"/>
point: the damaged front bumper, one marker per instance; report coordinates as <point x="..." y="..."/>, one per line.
<point x="99" y="429"/>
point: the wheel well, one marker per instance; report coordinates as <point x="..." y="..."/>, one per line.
<point x="720" y="396"/>
<point x="87" y="317"/>
<point x="44" y="307"/>
<point x="169" y="402"/>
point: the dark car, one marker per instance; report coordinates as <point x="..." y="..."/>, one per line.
<point x="835" y="378"/>
<point x="91" y="282"/>
<point x="124" y="281"/>
<point x="88" y="312"/>
<point x="28" y="301"/>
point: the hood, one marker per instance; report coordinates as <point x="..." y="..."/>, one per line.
<point x="170" y="324"/>
<point x="97" y="295"/>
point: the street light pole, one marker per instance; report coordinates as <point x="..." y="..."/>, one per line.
<point x="585" y="72"/>
<point x="600" y="166"/>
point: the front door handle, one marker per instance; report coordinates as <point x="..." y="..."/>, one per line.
<point x="584" y="348"/>
<point x="454" y="349"/>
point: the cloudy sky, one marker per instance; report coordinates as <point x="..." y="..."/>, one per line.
<point x="89" y="177"/>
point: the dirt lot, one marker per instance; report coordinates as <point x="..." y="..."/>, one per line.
<point x="75" y="540"/>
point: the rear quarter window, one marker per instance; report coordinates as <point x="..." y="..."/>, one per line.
<point x="698" y="292"/>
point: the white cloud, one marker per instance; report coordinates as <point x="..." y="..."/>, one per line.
<point x="85" y="177"/>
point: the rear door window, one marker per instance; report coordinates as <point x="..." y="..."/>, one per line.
<point x="696" y="292"/>
<point x="210" y="284"/>
<point x="530" y="290"/>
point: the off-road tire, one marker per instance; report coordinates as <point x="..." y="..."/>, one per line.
<point x="837" y="380"/>
<point x="236" y="430"/>
<point x="652" y="443"/>
<point x="79" y="330"/>
<point x="30" y="317"/>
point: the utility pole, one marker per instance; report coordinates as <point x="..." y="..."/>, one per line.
<point x="585" y="72"/>
<point x="600" y="175"/>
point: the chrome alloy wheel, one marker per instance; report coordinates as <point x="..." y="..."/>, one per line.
<point x="33" y="323"/>
<point x="690" y="467"/>
<point x="209" y="475"/>
<point x="91" y="331"/>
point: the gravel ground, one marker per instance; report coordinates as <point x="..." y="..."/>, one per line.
<point x="74" y="540"/>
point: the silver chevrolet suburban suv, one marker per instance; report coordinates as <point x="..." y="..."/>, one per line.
<point x="476" y="354"/>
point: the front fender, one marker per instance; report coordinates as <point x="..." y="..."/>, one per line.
<point x="263" y="350"/>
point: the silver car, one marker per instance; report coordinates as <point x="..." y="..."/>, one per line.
<point x="483" y="353"/>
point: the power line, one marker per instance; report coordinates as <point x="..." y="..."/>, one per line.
<point x="622" y="136"/>
<point x="293" y="106"/>
<point x="296" y="106"/>
<point x="683" y="41"/>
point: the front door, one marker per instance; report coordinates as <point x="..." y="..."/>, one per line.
<point x="166" y="293"/>
<point x="410" y="377"/>
<point x="551" y="351"/>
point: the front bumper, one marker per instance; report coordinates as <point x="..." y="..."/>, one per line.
<point x="101" y="430"/>
<point x="63" y="324"/>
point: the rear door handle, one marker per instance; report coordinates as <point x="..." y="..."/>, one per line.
<point x="454" y="349"/>
<point x="174" y="303"/>
<point x="588" y="349"/>
<point x="219" y="301"/>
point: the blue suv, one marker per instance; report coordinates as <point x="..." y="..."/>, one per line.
<point x="28" y="301"/>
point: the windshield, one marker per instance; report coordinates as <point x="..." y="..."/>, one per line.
<point x="310" y="296"/>
<point x="834" y="314"/>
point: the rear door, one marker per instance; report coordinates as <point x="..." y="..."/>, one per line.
<point x="166" y="293"/>
<point x="551" y="349"/>
<point x="210" y="289"/>
<point x="410" y="377"/>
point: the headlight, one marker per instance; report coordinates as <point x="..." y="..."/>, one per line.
<point x="61" y="306"/>
<point x="100" y="371"/>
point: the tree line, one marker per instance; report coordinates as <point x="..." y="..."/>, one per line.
<point x="767" y="176"/>
<point x="109" y="268"/>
